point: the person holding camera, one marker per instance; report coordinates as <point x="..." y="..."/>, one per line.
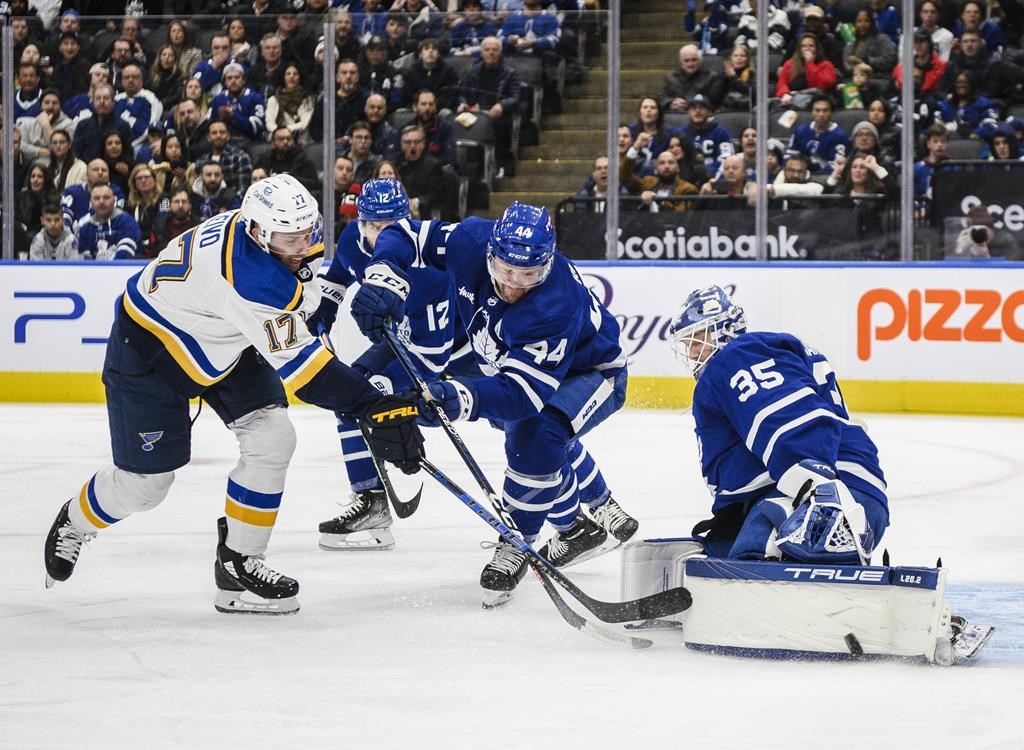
<point x="981" y="239"/>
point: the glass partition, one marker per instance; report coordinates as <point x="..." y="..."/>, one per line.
<point x="474" y="107"/>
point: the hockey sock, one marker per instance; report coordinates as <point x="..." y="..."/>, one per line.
<point x="593" y="489"/>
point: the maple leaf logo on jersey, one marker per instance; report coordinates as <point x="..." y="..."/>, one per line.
<point x="488" y="350"/>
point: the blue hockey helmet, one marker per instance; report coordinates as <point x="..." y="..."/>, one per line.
<point x="708" y="321"/>
<point x="521" y="250"/>
<point x="382" y="200"/>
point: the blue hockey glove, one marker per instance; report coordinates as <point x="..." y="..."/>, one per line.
<point x="380" y="297"/>
<point x="457" y="399"/>
<point x="331" y="295"/>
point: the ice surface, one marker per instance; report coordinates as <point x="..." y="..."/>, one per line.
<point x="392" y="649"/>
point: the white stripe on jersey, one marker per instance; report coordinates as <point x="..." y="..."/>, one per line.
<point x="533" y="372"/>
<point x="791" y="425"/>
<point x="530" y="393"/>
<point x="539" y="483"/>
<point x="859" y="471"/>
<point x="761" y="480"/>
<point x="773" y="407"/>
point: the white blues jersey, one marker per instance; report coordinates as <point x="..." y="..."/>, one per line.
<point x="767" y="401"/>
<point x="557" y="331"/>
<point x="212" y="293"/>
<point x="429" y="322"/>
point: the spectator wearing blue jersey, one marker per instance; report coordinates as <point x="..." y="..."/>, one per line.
<point x="532" y="32"/>
<point x="242" y="108"/>
<point x="209" y="72"/>
<point x="75" y="200"/>
<point x="966" y="113"/>
<point x="107" y="232"/>
<point x="778" y="447"/>
<point x="710" y="139"/>
<point x="92" y="130"/>
<point x="938" y="150"/>
<point x="28" y="95"/>
<point x="470" y="28"/>
<point x="888" y="20"/>
<point x="137" y="106"/>
<point x="821" y="140"/>
<point x="650" y="137"/>
<point x="972" y="17"/>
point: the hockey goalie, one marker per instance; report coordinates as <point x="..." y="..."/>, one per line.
<point x="783" y="567"/>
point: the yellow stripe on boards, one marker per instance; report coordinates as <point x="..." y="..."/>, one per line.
<point x="645" y="392"/>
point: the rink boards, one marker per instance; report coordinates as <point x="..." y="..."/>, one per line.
<point x="923" y="337"/>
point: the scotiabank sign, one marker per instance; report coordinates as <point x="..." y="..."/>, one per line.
<point x="936" y="314"/>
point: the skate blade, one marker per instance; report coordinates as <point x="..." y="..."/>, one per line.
<point x="368" y="539"/>
<point x="495" y="599"/>
<point x="610" y="544"/>
<point x="972" y="640"/>
<point x="247" y="603"/>
<point x="49" y="581"/>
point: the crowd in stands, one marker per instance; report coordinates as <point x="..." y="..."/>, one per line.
<point x="133" y="129"/>
<point x="834" y="109"/>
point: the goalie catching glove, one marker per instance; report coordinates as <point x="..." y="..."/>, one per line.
<point x="394" y="435"/>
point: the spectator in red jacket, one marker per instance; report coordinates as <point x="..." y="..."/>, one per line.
<point x="927" y="60"/>
<point x="806" y="69"/>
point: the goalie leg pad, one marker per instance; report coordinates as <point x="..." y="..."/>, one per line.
<point x="795" y="609"/>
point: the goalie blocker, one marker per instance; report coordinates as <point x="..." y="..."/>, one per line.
<point x="795" y="609"/>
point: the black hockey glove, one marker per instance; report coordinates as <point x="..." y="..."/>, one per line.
<point x="394" y="435"/>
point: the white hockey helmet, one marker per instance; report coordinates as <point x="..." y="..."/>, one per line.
<point x="278" y="204"/>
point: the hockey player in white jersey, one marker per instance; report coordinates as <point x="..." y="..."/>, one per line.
<point x="220" y="315"/>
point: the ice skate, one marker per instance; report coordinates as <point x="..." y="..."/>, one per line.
<point x="968" y="640"/>
<point x="63" y="544"/>
<point x="246" y="585"/>
<point x="502" y="574"/>
<point x="618" y="523"/>
<point x="364" y="524"/>
<point x="583" y="541"/>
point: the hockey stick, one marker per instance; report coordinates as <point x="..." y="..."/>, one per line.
<point x="648" y="608"/>
<point x="402" y="508"/>
<point x="568" y="614"/>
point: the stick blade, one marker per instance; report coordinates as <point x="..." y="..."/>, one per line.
<point x="407" y="508"/>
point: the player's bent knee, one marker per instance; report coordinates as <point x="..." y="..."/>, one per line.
<point x="146" y="490"/>
<point x="266" y="436"/>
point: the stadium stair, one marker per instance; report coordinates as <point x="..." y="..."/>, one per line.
<point x="652" y="32"/>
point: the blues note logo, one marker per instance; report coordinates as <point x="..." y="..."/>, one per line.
<point x="148" y="438"/>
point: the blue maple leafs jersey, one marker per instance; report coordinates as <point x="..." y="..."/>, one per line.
<point x="526" y="349"/>
<point x="430" y="309"/>
<point x="820" y="149"/>
<point x="764" y="403"/>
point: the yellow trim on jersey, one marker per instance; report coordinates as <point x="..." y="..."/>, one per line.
<point x="296" y="298"/>
<point x="309" y="370"/>
<point x="229" y="249"/>
<point x="174" y="347"/>
<point x="83" y="503"/>
<point x="251" y="516"/>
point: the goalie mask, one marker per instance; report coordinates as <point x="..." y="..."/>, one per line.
<point x="708" y="321"/>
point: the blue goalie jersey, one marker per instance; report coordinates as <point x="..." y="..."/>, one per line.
<point x="555" y="332"/>
<point x="764" y="403"/>
<point x="430" y="309"/>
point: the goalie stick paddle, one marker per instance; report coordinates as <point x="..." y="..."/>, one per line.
<point x="568" y="613"/>
<point x="648" y="608"/>
<point x="403" y="509"/>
